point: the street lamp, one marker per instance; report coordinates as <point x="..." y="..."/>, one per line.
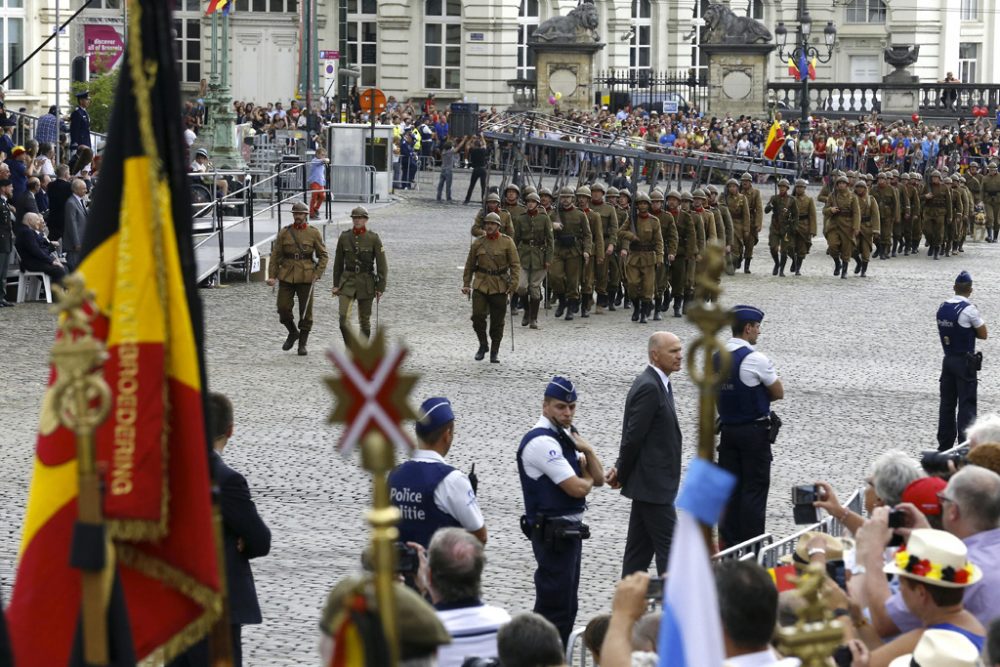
<point x="801" y="51"/>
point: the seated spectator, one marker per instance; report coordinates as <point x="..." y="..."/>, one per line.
<point x="924" y="494"/>
<point x="530" y="640"/>
<point x="748" y="606"/>
<point x="645" y="636"/>
<point x="456" y="561"/>
<point x="987" y="456"/>
<point x="35" y="251"/>
<point x="420" y="632"/>
<point x="202" y="165"/>
<point x="593" y="636"/>
<point x="984" y="429"/>
<point x="888" y="476"/>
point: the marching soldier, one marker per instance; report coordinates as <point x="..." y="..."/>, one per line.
<point x="624" y="213"/>
<point x="784" y="213"/>
<point x="887" y="200"/>
<point x="298" y="259"/>
<point x="547" y="201"/>
<point x="842" y="221"/>
<point x="756" y="205"/>
<point x="494" y="263"/>
<point x="909" y="203"/>
<point x="682" y="268"/>
<point x="969" y="207"/>
<point x="805" y="225"/>
<point x="828" y="186"/>
<point x="901" y="237"/>
<point x="698" y="238"/>
<point x="607" y="271"/>
<point x="739" y="211"/>
<point x="642" y="250"/>
<point x="704" y="226"/>
<point x="936" y="213"/>
<point x="583" y="196"/>
<point x="974" y="181"/>
<point x="951" y="223"/>
<point x="871" y="226"/>
<point x="668" y="230"/>
<point x="572" y="250"/>
<point x="533" y="236"/>
<point x="723" y="220"/>
<point x="511" y="197"/>
<point x="493" y="206"/>
<point x="360" y="272"/>
<point x="991" y="200"/>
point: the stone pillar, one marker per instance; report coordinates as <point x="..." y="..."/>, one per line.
<point x="566" y="69"/>
<point x="737" y="78"/>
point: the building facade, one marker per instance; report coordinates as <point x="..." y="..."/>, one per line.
<point x="469" y="49"/>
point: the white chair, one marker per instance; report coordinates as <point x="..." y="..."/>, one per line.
<point x="28" y="286"/>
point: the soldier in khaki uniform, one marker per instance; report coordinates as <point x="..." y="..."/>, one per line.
<point x="936" y="207"/>
<point x="805" y="225"/>
<point x="968" y="206"/>
<point x="494" y="264"/>
<point x="704" y="226"/>
<point x="360" y="272"/>
<point x="974" y="181"/>
<point x="511" y="200"/>
<point x="842" y="222"/>
<point x="682" y="268"/>
<point x="642" y="250"/>
<point x="909" y="202"/>
<point x="547" y="201"/>
<point x="694" y="213"/>
<point x="533" y="237"/>
<point x="991" y="201"/>
<point x="756" y="205"/>
<point x="573" y="247"/>
<point x="784" y="214"/>
<point x="739" y="211"/>
<point x="723" y="219"/>
<point x="668" y="230"/>
<point x="624" y="213"/>
<point x="871" y="226"/>
<point x="887" y="199"/>
<point x="607" y="271"/>
<point x="583" y="196"/>
<point x="901" y="236"/>
<point x="493" y="206"/>
<point x="298" y="259"/>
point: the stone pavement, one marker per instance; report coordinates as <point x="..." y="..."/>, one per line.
<point x="859" y="360"/>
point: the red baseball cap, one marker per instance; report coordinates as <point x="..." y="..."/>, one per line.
<point x="923" y="493"/>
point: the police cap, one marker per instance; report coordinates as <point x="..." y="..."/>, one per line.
<point x="436" y="412"/>
<point x="561" y="389"/>
<point x="744" y="313"/>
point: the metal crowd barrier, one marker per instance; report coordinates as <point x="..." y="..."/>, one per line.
<point x="745" y="550"/>
<point x="577" y="654"/>
<point x="352" y="182"/>
<point x="831" y="525"/>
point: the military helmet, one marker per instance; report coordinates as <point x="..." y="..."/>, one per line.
<point x="359" y="212"/>
<point x="802" y="182"/>
<point x="599" y="185"/>
<point x="625" y="192"/>
<point x="973" y="165"/>
<point x="992" y="165"/>
<point x="916" y="175"/>
<point x="583" y="191"/>
<point x="842" y="179"/>
<point x="545" y="192"/>
<point x="883" y="174"/>
<point x="868" y="177"/>
<point x="493" y="197"/>
<point x="300" y="207"/>
<point x="674" y="194"/>
<point x="893" y="173"/>
<point x="946" y="180"/>
<point x="491" y="217"/>
<point x="935" y="172"/>
<point x="905" y="176"/>
<point x="783" y="183"/>
<point x="861" y="183"/>
<point x="711" y="190"/>
<point x="512" y="186"/>
<point x="686" y="196"/>
<point x="698" y="194"/>
<point x="746" y="176"/>
<point x="732" y="181"/>
<point x="533" y="196"/>
<point x="528" y="189"/>
<point x="611" y="191"/>
<point x="566" y="191"/>
<point x="656" y="195"/>
<point x="642" y="197"/>
<point x="838" y="173"/>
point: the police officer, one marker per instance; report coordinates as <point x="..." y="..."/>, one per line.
<point x="79" y="123"/>
<point x="429" y="493"/>
<point x="745" y="413"/>
<point x="533" y="237"/>
<point x="555" y="483"/>
<point x="959" y="325"/>
<point x="360" y="272"/>
<point x="494" y="263"/>
<point x="298" y="259"/>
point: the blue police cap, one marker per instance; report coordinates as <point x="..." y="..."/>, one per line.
<point x="747" y="314"/>
<point x="434" y="413"/>
<point x="963" y="278"/>
<point x="561" y="389"/>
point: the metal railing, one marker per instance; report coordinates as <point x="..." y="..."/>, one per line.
<point x="770" y="555"/>
<point x="26" y="125"/>
<point x="678" y="91"/>
<point x="745" y="550"/>
<point x="843" y="100"/>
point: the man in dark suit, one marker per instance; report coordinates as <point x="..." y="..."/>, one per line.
<point x="35" y="251"/>
<point x="648" y="470"/>
<point x="26" y="202"/>
<point x="59" y="192"/>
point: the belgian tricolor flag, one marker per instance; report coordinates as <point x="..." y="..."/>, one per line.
<point x="152" y="448"/>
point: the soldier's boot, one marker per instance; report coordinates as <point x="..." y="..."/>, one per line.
<point x="570" y="309"/>
<point x="784" y="260"/>
<point x="857" y="264"/>
<point x="636" y="310"/>
<point x="585" y="306"/>
<point x="303" y="338"/>
<point x="843" y="271"/>
<point x="688" y="298"/>
<point x="526" y="319"/>
<point x="864" y="269"/>
<point x="495" y="351"/>
<point x="905" y="245"/>
<point x="895" y="245"/>
<point x="628" y="302"/>
<point x="836" y="267"/>
<point x="777" y="262"/>
<point x="561" y="308"/>
<point x="293" y="335"/>
<point x="930" y="249"/>
<point x="484" y="346"/>
<point x="934" y="251"/>
<point x="619" y="295"/>
<point x="947" y="249"/>
<point x="533" y="305"/>
<point x="602" y="302"/>
<point x="643" y="311"/>
<point x="737" y="261"/>
<point x="798" y="265"/>
<point x="746" y="264"/>
<point x="885" y="251"/>
<point x="877" y="252"/>
<point x="656" y="309"/>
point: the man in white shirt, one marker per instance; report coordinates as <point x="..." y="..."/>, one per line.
<point x="748" y="605"/>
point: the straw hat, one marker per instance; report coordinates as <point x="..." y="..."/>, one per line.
<point x="935" y="557"/>
<point x="940" y="648"/>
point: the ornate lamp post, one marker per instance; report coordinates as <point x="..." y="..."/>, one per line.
<point x="802" y="51"/>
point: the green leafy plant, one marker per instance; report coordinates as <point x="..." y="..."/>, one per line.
<point x="102" y="96"/>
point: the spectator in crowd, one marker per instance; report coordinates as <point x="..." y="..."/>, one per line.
<point x="35" y="251"/>
<point x="986" y="455"/>
<point x="992" y="656"/>
<point x="593" y="636"/>
<point x="21" y="168"/>
<point x="6" y="238"/>
<point x="27" y="201"/>
<point x="45" y="162"/>
<point x="925" y="494"/>
<point x="479" y="160"/>
<point x="75" y="223"/>
<point x="59" y="193"/>
<point x="530" y="640"/>
<point x="202" y="165"/>
<point x="985" y="429"/>
<point x="455" y="562"/>
<point x="748" y="607"/>
<point x="47" y="127"/>
<point x="42" y="197"/>
<point x="449" y="161"/>
<point x="317" y="182"/>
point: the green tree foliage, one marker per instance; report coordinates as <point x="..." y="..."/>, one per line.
<point x="102" y="96"/>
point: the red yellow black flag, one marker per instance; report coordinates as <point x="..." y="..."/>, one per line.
<point x="152" y="448"/>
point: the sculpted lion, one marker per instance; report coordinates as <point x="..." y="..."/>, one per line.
<point x="580" y="22"/>
<point x="722" y="26"/>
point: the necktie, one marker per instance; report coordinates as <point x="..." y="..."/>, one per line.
<point x="670" y="397"/>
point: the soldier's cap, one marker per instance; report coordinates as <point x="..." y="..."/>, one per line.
<point x="533" y="196"/>
<point x="673" y="194"/>
<point x="801" y="182"/>
<point x="561" y="389"/>
<point x="869" y="178"/>
<point x="493" y="197"/>
<point x="861" y="184"/>
<point x="611" y="192"/>
<point x="491" y="217"/>
<point x="974" y="165"/>
<point x="544" y="192"/>
<point x="583" y="191"/>
<point x="512" y="186"/>
<point x="698" y="194"/>
<point x="641" y="197"/>
<point x="566" y="191"/>
<point x="711" y="190"/>
<point x="964" y="278"/>
<point x="356" y="212"/>
<point x="893" y="174"/>
<point x="686" y="196"/>
<point x="434" y="413"/>
<point x="420" y="630"/>
<point x="732" y="181"/>
<point x="599" y="185"/>
<point x="656" y="195"/>
<point x="746" y="176"/>
<point x="300" y="207"/>
<point x="905" y="176"/>
<point x="625" y="192"/>
<point x="744" y="313"/>
<point x="783" y="183"/>
<point x="842" y="179"/>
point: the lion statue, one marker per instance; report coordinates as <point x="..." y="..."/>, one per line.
<point x="722" y="26"/>
<point x="577" y="26"/>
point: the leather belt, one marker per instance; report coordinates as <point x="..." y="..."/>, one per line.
<point x="643" y="247"/>
<point x="496" y="272"/>
<point x="299" y="255"/>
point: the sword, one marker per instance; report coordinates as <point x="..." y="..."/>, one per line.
<point x="511" y="324"/>
<point x="310" y="298"/>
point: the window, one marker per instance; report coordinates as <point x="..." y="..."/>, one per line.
<point x="275" y="6"/>
<point x="443" y="44"/>
<point x="362" y="38"/>
<point x="12" y="40"/>
<point x="640" y="46"/>
<point x="757" y="10"/>
<point x="527" y="22"/>
<point x="187" y="48"/>
<point x="970" y="10"/>
<point x="968" y="56"/>
<point x="866" y="11"/>
<point x="107" y="4"/>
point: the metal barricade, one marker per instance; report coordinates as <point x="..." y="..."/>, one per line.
<point x="770" y="555"/>
<point x="352" y="182"/>
<point x="577" y="654"/>
<point x="745" y="550"/>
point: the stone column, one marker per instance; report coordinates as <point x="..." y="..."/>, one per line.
<point x="567" y="69"/>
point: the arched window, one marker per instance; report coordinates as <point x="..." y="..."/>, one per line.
<point x="527" y="22"/>
<point x="640" y="50"/>
<point x="443" y="44"/>
<point x="865" y="11"/>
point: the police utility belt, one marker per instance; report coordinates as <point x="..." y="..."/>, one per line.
<point x="552" y="529"/>
<point x="973" y="359"/>
<point x="772" y="422"/>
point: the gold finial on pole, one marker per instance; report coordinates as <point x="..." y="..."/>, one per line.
<point x="816" y="633"/>
<point x="709" y="317"/>
<point x="82" y="399"/>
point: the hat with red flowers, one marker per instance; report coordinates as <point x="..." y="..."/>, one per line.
<point x="935" y="557"/>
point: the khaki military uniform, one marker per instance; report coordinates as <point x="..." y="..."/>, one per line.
<point x="937" y="207"/>
<point x="570" y="243"/>
<point x="975" y="184"/>
<point x="644" y="248"/>
<point x="589" y="279"/>
<point x="756" y="204"/>
<point x="843" y="226"/>
<point x="911" y="194"/>
<point x="739" y="210"/>
<point x="668" y="231"/>
<point x="607" y="275"/>
<point x="784" y="214"/>
<point x="887" y="200"/>
<point x="871" y="225"/>
<point x="991" y="202"/>
<point x="506" y="223"/>
<point x="954" y="223"/>
<point x="298" y="259"/>
<point x="533" y="238"/>
<point x="360" y="270"/>
<point x="682" y="268"/>
<point x="804" y="228"/>
<point x="492" y="270"/>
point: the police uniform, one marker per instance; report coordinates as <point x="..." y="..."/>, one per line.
<point x="360" y="271"/>
<point x="494" y="264"/>
<point x="957" y="321"/>
<point x="642" y="245"/>
<point x="298" y="259"/>
<point x="744" y="446"/>
<point x="533" y="237"/>
<point x="553" y="519"/>
<point x="79" y="124"/>
<point x="429" y="493"/>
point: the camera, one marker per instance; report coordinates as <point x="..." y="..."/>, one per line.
<point x="654" y="591"/>
<point x="803" y="497"/>
<point x="407" y="559"/>
<point x="897" y="519"/>
<point x="934" y="462"/>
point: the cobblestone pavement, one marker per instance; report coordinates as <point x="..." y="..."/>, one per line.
<point x="859" y="360"/>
